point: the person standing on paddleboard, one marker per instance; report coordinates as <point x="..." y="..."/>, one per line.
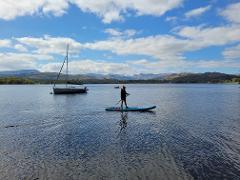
<point x="124" y="95"/>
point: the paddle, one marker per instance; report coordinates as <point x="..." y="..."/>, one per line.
<point x="118" y="102"/>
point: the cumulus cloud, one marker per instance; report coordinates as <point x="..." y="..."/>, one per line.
<point x="232" y="13"/>
<point x="129" y="67"/>
<point x="107" y="10"/>
<point x="110" y="10"/>
<point x="232" y="52"/>
<point x="169" y="47"/>
<point x="165" y="51"/>
<point x="16" y="61"/>
<point x="117" y="33"/>
<point x="5" y="43"/>
<point x="210" y="36"/>
<point x="171" y="18"/>
<point x="197" y="12"/>
<point x="161" y="46"/>
<point x="113" y="32"/>
<point x="20" y="47"/>
<point x="215" y="64"/>
<point x="145" y="66"/>
<point x="51" y="45"/>
<point x="10" y="9"/>
<point x="140" y="66"/>
<point x="91" y="66"/>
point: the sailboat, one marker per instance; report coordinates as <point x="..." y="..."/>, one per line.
<point x="67" y="89"/>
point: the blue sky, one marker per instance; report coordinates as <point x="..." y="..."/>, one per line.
<point x="121" y="36"/>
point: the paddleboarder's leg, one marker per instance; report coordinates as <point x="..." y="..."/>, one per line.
<point x="125" y="101"/>
<point x="121" y="104"/>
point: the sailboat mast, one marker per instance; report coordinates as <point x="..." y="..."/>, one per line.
<point x="67" y="66"/>
<point x="65" y="59"/>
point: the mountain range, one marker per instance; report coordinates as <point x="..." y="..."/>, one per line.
<point x="49" y="77"/>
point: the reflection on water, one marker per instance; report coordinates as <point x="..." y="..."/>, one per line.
<point x="193" y="134"/>
<point x="123" y="121"/>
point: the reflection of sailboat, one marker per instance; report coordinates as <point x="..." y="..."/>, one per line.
<point x="67" y="89"/>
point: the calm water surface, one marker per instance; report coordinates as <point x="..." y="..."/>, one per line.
<point x="193" y="134"/>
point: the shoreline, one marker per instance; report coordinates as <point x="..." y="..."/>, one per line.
<point x="232" y="83"/>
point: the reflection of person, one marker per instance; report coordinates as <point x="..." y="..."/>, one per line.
<point x="124" y="95"/>
<point x="123" y="121"/>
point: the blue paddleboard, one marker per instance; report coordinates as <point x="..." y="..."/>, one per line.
<point x="130" y="108"/>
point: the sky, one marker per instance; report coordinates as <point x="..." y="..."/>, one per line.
<point x="121" y="36"/>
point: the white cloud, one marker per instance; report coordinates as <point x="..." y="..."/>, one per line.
<point x="130" y="32"/>
<point x="16" y="61"/>
<point x="140" y="66"/>
<point x="56" y="7"/>
<point x="117" y="33"/>
<point x="215" y="64"/>
<point x="20" y="47"/>
<point x="113" y="10"/>
<point x="232" y="13"/>
<point x="165" y="51"/>
<point x="10" y="9"/>
<point x="161" y="46"/>
<point x="51" y="45"/>
<point x="232" y="52"/>
<point x="91" y="66"/>
<point x="145" y="66"/>
<point x="197" y="12"/>
<point x="169" y="47"/>
<point x="5" y="43"/>
<point x="113" y="32"/>
<point x="210" y="36"/>
<point x="171" y="18"/>
<point x="107" y="10"/>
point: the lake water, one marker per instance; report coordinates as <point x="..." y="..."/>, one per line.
<point x="193" y="134"/>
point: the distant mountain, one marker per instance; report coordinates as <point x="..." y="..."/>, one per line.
<point x="19" y="73"/>
<point x="141" y="76"/>
<point x="50" y="77"/>
<point x="148" y="76"/>
<point x="207" y="77"/>
<point x="107" y="76"/>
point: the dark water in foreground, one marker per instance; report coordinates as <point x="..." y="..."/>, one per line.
<point x="193" y="134"/>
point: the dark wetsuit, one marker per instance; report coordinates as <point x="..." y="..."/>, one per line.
<point x="123" y="94"/>
<point x="123" y="97"/>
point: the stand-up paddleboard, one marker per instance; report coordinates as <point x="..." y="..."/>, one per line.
<point x="130" y="108"/>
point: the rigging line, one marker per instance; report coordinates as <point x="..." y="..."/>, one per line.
<point x="60" y="71"/>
